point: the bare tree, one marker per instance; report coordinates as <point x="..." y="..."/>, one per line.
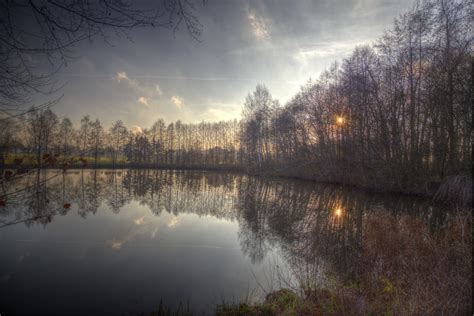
<point x="41" y="126"/>
<point x="84" y="134"/>
<point x="96" y="138"/>
<point x="66" y="132"/>
<point x="118" y="134"/>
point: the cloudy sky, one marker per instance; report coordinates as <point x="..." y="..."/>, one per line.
<point x="280" y="43"/>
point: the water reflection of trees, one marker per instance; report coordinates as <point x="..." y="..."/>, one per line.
<point x="307" y="221"/>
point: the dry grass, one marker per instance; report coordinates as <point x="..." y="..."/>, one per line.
<point x="403" y="269"/>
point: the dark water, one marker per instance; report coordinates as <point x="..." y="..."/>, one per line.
<point x="134" y="238"/>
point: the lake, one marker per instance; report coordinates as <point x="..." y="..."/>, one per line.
<point x="120" y="242"/>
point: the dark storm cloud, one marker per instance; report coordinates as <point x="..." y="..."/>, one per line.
<point x="280" y="43"/>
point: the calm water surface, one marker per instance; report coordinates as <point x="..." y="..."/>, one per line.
<point x="120" y="242"/>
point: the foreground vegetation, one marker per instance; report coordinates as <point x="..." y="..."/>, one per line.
<point x="402" y="270"/>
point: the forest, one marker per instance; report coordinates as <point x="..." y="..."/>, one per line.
<point x="396" y="115"/>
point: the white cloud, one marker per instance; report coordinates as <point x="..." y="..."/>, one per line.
<point x="220" y="112"/>
<point x="144" y="101"/>
<point x="135" y="129"/>
<point x="177" y="101"/>
<point x="258" y="24"/>
<point x="333" y="50"/>
<point x="121" y="76"/>
<point x="145" y="92"/>
<point x="158" y="90"/>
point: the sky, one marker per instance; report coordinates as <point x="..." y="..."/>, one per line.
<point x="161" y="74"/>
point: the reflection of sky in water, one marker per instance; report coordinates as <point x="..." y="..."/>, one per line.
<point x="125" y="262"/>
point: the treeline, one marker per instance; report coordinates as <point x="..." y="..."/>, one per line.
<point x="42" y="134"/>
<point x="395" y="115"/>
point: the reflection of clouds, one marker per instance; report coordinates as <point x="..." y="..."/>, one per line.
<point x="144" y="228"/>
<point x="140" y="221"/>
<point x="117" y="243"/>
<point x="173" y="222"/>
